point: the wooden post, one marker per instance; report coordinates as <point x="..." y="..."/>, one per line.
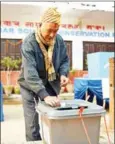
<point x="112" y="90"/>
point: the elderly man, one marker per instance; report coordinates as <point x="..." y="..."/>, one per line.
<point x="45" y="66"/>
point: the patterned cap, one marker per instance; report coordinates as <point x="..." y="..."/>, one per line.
<point x="51" y="15"/>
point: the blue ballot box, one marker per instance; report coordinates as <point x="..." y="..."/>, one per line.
<point x="1" y="103"/>
<point x="98" y="64"/>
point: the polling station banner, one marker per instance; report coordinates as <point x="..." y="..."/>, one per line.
<point x="14" y="29"/>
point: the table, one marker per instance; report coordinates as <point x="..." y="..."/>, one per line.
<point x="98" y="87"/>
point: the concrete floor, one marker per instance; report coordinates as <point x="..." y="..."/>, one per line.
<point x="13" y="132"/>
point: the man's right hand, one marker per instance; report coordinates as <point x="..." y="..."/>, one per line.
<point x="52" y="101"/>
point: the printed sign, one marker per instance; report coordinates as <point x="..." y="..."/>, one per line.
<point x="62" y="32"/>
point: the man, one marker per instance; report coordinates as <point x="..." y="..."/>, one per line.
<point x="45" y="66"/>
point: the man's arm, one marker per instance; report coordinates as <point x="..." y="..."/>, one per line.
<point x="30" y="73"/>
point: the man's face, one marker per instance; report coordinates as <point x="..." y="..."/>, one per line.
<point x="49" y="30"/>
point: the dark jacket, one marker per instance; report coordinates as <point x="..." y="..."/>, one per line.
<point x="33" y="75"/>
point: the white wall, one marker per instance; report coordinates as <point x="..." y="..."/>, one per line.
<point x="33" y="14"/>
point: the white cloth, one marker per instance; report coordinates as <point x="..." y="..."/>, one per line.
<point x="105" y="87"/>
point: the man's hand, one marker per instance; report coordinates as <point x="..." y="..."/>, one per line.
<point x="52" y="101"/>
<point x="64" y="80"/>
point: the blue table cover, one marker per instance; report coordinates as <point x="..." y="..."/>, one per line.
<point x="92" y="86"/>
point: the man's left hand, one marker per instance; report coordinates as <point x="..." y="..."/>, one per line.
<point x="63" y="80"/>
